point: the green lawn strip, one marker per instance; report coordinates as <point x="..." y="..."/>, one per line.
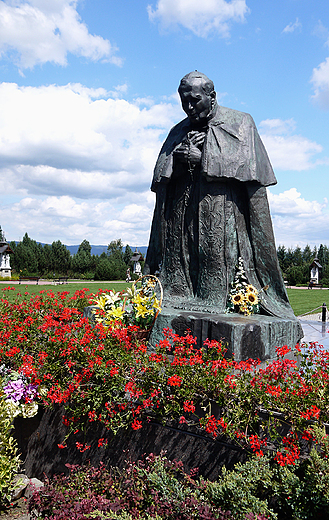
<point x="301" y="300"/>
<point x="305" y="300"/>
<point x="28" y="289"/>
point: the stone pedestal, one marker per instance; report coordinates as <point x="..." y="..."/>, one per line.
<point x="254" y="336"/>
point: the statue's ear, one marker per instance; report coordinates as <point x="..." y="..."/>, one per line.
<point x="213" y="97"/>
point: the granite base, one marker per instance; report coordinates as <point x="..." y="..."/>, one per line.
<point x="254" y="336"/>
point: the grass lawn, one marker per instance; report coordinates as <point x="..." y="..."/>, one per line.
<point x="301" y="300"/>
<point x="32" y="288"/>
<point x="305" y="300"/>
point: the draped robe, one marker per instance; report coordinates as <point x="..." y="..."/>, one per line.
<point x="208" y="216"/>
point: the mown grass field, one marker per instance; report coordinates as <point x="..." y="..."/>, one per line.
<point x="305" y="300"/>
<point x="26" y="289"/>
<point x="301" y="300"/>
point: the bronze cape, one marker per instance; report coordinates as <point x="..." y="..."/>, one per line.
<point x="208" y="216"/>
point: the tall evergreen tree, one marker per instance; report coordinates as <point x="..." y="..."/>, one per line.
<point x="61" y="257"/>
<point x="127" y="255"/>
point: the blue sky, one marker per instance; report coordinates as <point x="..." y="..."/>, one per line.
<point x="89" y="92"/>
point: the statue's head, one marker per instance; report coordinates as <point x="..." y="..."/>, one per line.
<point x="198" y="97"/>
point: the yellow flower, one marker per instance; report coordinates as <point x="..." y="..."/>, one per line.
<point x="250" y="289"/>
<point x="142" y="311"/>
<point x="156" y="304"/>
<point x="237" y="299"/>
<point x="100" y="302"/>
<point x="252" y="298"/>
<point x="115" y="313"/>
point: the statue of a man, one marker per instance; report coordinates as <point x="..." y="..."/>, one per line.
<point x="211" y="207"/>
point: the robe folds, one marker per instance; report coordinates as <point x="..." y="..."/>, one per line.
<point x="208" y="216"/>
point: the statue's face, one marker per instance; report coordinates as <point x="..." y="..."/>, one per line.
<point x="195" y="102"/>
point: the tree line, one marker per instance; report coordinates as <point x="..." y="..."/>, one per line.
<point x="31" y="258"/>
<point x="295" y="264"/>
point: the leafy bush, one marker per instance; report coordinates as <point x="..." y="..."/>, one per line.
<point x="154" y="488"/>
<point x="157" y="489"/>
<point x="9" y="460"/>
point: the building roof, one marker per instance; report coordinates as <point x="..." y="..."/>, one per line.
<point x="316" y="263"/>
<point x="136" y="257"/>
<point x="5" y="248"/>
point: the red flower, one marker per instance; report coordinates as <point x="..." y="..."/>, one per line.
<point x="189" y="406"/>
<point x="282" y="351"/>
<point x="314" y="411"/>
<point x="136" y="425"/>
<point x="174" y="380"/>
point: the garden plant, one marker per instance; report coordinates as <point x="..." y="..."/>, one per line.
<point x="51" y="355"/>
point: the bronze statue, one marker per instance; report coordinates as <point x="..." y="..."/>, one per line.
<point x="211" y="207"/>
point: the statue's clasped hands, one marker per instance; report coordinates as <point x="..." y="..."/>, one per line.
<point x="189" y="151"/>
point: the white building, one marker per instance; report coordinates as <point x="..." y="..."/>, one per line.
<point x="5" y="251"/>
<point x="136" y="259"/>
<point x="315" y="272"/>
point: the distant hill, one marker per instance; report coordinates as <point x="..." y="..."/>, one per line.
<point x="98" y="250"/>
<point x="95" y="249"/>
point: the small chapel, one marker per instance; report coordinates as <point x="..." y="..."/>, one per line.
<point x="5" y="252"/>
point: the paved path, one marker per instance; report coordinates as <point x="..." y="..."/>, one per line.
<point x="315" y="330"/>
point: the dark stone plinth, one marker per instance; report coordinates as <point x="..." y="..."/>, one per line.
<point x="44" y="457"/>
<point x="254" y="336"/>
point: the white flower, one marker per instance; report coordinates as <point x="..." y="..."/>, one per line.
<point x="13" y="408"/>
<point x="29" y="409"/>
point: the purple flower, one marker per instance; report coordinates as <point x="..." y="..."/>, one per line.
<point x="30" y="391"/>
<point x="14" y="390"/>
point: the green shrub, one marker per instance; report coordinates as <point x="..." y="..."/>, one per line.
<point x="260" y="486"/>
<point x="243" y="490"/>
<point x="9" y="460"/>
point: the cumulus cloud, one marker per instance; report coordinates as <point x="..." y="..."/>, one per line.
<point x="33" y="32"/>
<point x="296" y="219"/>
<point x="202" y="18"/>
<point x="71" y="221"/>
<point x="77" y="163"/>
<point x="293" y="26"/>
<point x="320" y="80"/>
<point x="287" y="151"/>
<point x="68" y="139"/>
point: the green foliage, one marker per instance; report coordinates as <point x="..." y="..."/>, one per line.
<point x="155" y="488"/>
<point x="298" y="492"/>
<point x="83" y="262"/>
<point x="243" y="490"/>
<point x="295" y="264"/>
<point x="151" y="489"/>
<point x="9" y="460"/>
<point x="114" y="249"/>
<point x="127" y="255"/>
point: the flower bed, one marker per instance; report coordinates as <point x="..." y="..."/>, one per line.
<point x="101" y="375"/>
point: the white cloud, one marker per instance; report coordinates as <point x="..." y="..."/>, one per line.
<point x="320" y="80"/>
<point x="202" y="18"/>
<point x="298" y="221"/>
<point x="71" y="221"/>
<point x="287" y="151"/>
<point x="61" y="140"/>
<point x="76" y="163"/>
<point x="293" y="26"/>
<point x="34" y="32"/>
